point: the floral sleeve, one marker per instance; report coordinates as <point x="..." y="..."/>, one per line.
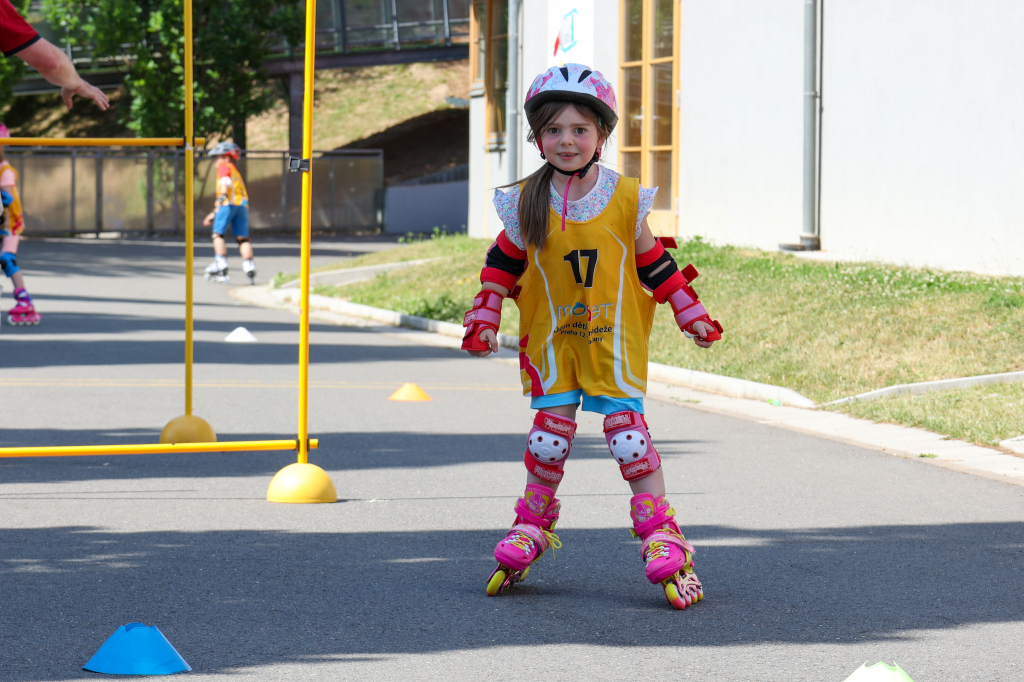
<point x="643" y="207"/>
<point x="507" y="205"/>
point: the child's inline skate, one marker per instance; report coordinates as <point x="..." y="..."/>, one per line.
<point x="249" y="268"/>
<point x="24" y="312"/>
<point x="666" y="553"/>
<point x="217" y="272"/>
<point x="527" y="540"/>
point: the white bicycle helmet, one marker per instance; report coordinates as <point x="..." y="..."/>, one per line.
<point x="226" y="149"/>
<point x="574" y="83"/>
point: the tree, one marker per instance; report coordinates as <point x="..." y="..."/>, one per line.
<point x="231" y="40"/>
<point x="12" y="69"/>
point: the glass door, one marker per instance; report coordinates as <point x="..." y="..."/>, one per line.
<point x="648" y="129"/>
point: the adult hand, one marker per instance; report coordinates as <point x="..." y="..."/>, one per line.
<point x="88" y="91"/>
<point x="491" y="339"/>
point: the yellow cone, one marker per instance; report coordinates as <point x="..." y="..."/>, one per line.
<point x="188" y="428"/>
<point x="410" y="393"/>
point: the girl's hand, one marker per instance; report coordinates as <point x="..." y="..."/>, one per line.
<point x="208" y="220"/>
<point x="702" y="328"/>
<point x="491" y="339"/>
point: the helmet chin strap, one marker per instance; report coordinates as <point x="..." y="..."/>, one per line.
<point x="579" y="171"/>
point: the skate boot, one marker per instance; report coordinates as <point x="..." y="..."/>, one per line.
<point x="23" y="313"/>
<point x="527" y="540"/>
<point x="666" y="553"/>
<point x="215" y="272"/>
<point x="249" y="268"/>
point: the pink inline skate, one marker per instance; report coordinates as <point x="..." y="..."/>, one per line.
<point x="666" y="553"/>
<point x="527" y="540"/>
<point x="23" y="313"/>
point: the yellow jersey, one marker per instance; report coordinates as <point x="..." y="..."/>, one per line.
<point x="585" y="320"/>
<point x="15" y="218"/>
<point x="236" y="195"/>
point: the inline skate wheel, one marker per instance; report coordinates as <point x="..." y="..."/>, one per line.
<point x="674" y="597"/>
<point x="497" y="582"/>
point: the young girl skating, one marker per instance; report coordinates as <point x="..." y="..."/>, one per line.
<point x="581" y="264"/>
<point x="11" y="226"/>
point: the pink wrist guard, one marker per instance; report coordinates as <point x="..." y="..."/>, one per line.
<point x="683" y="299"/>
<point x="486" y="314"/>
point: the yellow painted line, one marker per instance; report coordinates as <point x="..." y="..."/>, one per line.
<point x="155" y="448"/>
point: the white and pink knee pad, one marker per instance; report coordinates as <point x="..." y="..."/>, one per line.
<point x="548" y="446"/>
<point x="626" y="433"/>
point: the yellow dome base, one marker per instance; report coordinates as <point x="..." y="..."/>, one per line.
<point x="188" y="428"/>
<point x="302" y="484"/>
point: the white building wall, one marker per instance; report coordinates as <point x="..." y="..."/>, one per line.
<point x="741" y="121"/>
<point x="488" y="168"/>
<point x="923" y="142"/>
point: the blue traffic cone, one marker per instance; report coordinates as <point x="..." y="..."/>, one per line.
<point x="135" y="649"/>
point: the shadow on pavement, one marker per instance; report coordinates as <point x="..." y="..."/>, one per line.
<point x="80" y="352"/>
<point x="337" y="452"/>
<point x="231" y="599"/>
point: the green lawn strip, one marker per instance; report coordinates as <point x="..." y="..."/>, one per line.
<point x="984" y="415"/>
<point x="413" y="250"/>
<point x="825" y="330"/>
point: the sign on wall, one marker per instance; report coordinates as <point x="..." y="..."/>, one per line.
<point x="570" y="32"/>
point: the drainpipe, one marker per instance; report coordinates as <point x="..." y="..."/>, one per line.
<point x="810" y="240"/>
<point x="512" y="94"/>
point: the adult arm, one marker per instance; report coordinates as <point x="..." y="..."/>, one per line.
<point x="53" y="65"/>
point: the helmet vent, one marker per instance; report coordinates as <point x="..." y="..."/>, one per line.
<point x="565" y="73"/>
<point x="584" y="75"/>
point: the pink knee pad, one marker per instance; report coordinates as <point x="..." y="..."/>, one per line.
<point x="548" y="445"/>
<point x="10" y="243"/>
<point x="626" y="433"/>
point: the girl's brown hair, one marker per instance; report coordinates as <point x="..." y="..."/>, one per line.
<point x="535" y="196"/>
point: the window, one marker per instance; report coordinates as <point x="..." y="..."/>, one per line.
<point x="489" y="63"/>
<point x="648" y="128"/>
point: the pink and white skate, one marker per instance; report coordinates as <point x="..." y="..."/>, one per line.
<point x="23" y="313"/>
<point x="666" y="553"/>
<point x="527" y="540"/>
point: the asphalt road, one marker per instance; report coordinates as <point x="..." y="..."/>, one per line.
<point x="815" y="556"/>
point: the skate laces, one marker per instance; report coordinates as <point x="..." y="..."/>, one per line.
<point x="525" y="542"/>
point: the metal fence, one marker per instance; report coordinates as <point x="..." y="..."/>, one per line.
<point x="68" y="191"/>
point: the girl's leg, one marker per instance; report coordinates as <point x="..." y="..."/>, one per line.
<point x="569" y="412"/>
<point x="548" y="446"/>
<point x="667" y="556"/>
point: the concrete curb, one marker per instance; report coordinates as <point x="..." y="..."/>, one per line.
<point x="361" y="274"/>
<point x="701" y="381"/>
<point x="918" y="445"/>
<point x="923" y="387"/>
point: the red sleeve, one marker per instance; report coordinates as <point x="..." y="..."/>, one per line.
<point x="15" y="33"/>
<point x="223" y="170"/>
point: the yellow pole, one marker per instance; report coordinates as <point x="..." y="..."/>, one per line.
<point x="189" y="207"/>
<point x="307" y="198"/>
<point x="98" y="141"/>
<point x="302" y="482"/>
<point x="151" y="449"/>
<point x="188" y="428"/>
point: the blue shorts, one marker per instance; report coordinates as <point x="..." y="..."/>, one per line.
<point x="591" y="403"/>
<point x="235" y="216"/>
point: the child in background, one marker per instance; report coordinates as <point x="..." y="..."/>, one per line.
<point x="586" y="273"/>
<point x="24" y="311"/>
<point x="231" y="208"/>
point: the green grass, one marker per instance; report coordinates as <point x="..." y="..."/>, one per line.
<point x="826" y="330"/>
<point x="983" y="415"/>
